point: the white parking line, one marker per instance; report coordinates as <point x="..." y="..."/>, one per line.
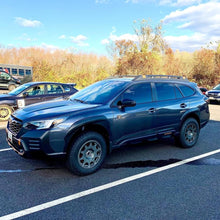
<point x="102" y="187"/>
<point x="6" y="149"/>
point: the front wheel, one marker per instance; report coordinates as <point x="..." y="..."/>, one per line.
<point x="189" y="133"/>
<point x="11" y="87"/>
<point x="87" y="153"/>
<point x="5" y="112"/>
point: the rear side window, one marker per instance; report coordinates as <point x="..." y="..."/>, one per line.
<point x="186" y="90"/>
<point x="178" y="93"/>
<point x="165" y="91"/>
<point x="66" y="88"/>
<point x="54" y="89"/>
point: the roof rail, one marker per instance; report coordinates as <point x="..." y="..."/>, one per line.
<point x="123" y="76"/>
<point x="142" y="77"/>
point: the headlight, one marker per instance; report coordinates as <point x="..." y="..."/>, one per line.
<point x="218" y="94"/>
<point x="43" y="124"/>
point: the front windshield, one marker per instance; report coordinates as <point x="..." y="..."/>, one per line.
<point x="100" y="92"/>
<point x="18" y="90"/>
<point x="217" y="87"/>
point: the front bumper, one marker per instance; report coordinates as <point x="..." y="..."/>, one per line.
<point x="16" y="144"/>
<point x="50" y="142"/>
<point x="214" y="98"/>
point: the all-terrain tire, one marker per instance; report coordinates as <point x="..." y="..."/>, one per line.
<point x="87" y="153"/>
<point x="189" y="133"/>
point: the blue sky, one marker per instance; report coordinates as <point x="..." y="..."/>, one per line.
<point x="89" y="25"/>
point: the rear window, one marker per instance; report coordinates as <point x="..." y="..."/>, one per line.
<point x="186" y="90"/>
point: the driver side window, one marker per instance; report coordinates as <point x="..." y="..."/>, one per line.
<point x="35" y="90"/>
<point x="140" y="93"/>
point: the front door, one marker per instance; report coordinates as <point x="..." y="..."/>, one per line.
<point x="131" y="123"/>
<point x="33" y="95"/>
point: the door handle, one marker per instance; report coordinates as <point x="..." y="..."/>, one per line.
<point x="183" y="105"/>
<point x="152" y="110"/>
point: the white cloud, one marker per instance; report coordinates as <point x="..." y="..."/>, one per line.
<point x="114" y="37"/>
<point x="27" y="23"/>
<point x="202" y="20"/>
<point x="50" y="47"/>
<point x="105" y="41"/>
<point x="138" y="1"/>
<point x="80" y="40"/>
<point x="179" y="3"/>
<point x="101" y="1"/>
<point x="25" y="37"/>
<point x="186" y="43"/>
<point x="62" y="36"/>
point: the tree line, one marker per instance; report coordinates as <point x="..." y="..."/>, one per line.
<point x="147" y="54"/>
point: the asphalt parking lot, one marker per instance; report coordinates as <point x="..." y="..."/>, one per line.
<point x="153" y="180"/>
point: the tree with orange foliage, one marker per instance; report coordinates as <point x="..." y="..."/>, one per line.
<point x="204" y="67"/>
<point x="143" y="55"/>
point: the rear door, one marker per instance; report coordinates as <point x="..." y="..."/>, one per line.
<point x="170" y="106"/>
<point x="54" y="91"/>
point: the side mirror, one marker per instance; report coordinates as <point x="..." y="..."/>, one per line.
<point x="126" y="103"/>
<point x="25" y="94"/>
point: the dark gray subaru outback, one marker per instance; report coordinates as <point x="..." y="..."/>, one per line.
<point x="109" y="114"/>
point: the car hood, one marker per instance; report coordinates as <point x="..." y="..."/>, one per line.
<point x="6" y="96"/>
<point x="51" y="109"/>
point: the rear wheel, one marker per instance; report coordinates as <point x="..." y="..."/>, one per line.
<point x="189" y="133"/>
<point x="5" y="112"/>
<point x="87" y="153"/>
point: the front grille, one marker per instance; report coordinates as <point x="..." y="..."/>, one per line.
<point x="14" y="125"/>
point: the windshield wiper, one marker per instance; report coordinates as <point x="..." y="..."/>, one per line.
<point x="79" y="100"/>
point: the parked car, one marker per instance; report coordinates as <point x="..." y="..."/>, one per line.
<point x="109" y="114"/>
<point x="7" y="81"/>
<point x="214" y="94"/>
<point x="31" y="93"/>
<point x="203" y="90"/>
